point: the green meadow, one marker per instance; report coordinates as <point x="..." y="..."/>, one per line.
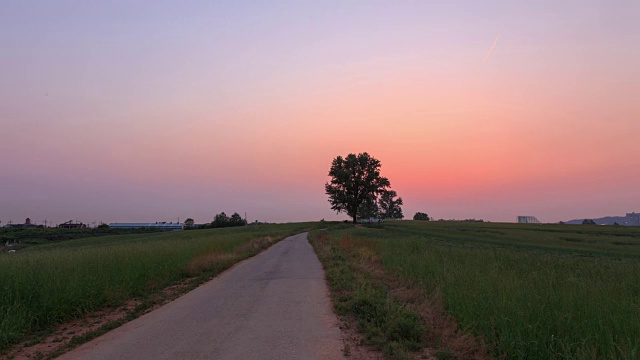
<point x="46" y="285"/>
<point x="22" y="238"/>
<point x="528" y="291"/>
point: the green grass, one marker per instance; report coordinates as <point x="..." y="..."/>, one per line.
<point x="22" y="238"/>
<point x="357" y="294"/>
<point x="49" y="284"/>
<point x="530" y="291"/>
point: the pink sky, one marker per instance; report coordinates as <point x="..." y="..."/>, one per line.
<point x="154" y="112"/>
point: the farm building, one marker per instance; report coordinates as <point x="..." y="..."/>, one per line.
<point x="72" y="225"/>
<point x="27" y="224"/>
<point x="157" y="225"/>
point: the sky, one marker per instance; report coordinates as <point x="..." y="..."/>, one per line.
<point x="127" y="111"/>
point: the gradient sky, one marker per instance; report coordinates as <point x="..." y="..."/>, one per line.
<point x="159" y="110"/>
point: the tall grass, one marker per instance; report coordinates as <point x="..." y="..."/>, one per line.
<point x="387" y="324"/>
<point x="49" y="284"/>
<point x="529" y="292"/>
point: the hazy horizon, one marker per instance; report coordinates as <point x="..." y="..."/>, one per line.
<point x="149" y="111"/>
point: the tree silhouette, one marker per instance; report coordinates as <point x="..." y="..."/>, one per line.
<point x="421" y="216"/>
<point x="355" y="180"/>
<point x="390" y="207"/>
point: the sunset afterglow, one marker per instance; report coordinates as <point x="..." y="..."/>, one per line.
<point x="113" y="111"/>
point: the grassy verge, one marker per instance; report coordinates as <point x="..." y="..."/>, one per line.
<point x="359" y="293"/>
<point x="531" y="291"/>
<point x="47" y="285"/>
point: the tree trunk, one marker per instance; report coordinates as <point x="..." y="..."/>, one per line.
<point x="355" y="221"/>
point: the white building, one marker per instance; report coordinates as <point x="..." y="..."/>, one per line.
<point x="158" y="225"/>
<point x="528" y="220"/>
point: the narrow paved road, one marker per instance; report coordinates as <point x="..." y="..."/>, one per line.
<point x="272" y="306"/>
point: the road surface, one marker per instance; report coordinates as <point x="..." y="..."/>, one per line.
<point x="272" y="306"/>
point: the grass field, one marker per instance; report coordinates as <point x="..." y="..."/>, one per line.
<point x="528" y="291"/>
<point x="46" y="285"/>
<point x="359" y="295"/>
<point x="22" y="238"/>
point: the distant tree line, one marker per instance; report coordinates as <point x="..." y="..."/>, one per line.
<point x="219" y="221"/>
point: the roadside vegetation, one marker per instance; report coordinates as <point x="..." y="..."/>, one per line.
<point x="47" y="285"/>
<point x="523" y="291"/>
<point x="361" y="296"/>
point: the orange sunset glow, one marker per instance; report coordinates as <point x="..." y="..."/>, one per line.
<point x="110" y="113"/>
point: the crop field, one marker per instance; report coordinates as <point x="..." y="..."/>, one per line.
<point x="46" y="285"/>
<point x="527" y="291"/>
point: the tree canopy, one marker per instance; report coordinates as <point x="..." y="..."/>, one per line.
<point x="421" y="216"/>
<point x="390" y="207"/>
<point x="355" y="180"/>
<point x="222" y="220"/>
<point x="236" y="220"/>
<point x="368" y="210"/>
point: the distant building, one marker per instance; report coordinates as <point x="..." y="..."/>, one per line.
<point x="157" y="225"/>
<point x="528" y="220"/>
<point x="27" y="224"/>
<point x="633" y="219"/>
<point x="72" y="225"/>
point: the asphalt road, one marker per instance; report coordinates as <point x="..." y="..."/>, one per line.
<point x="272" y="306"/>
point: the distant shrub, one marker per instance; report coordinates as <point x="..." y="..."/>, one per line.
<point x="222" y="220"/>
<point x="421" y="216"/>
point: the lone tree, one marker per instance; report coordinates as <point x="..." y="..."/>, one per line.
<point x="355" y="180"/>
<point x="421" y="216"/>
<point x="390" y="207"/>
